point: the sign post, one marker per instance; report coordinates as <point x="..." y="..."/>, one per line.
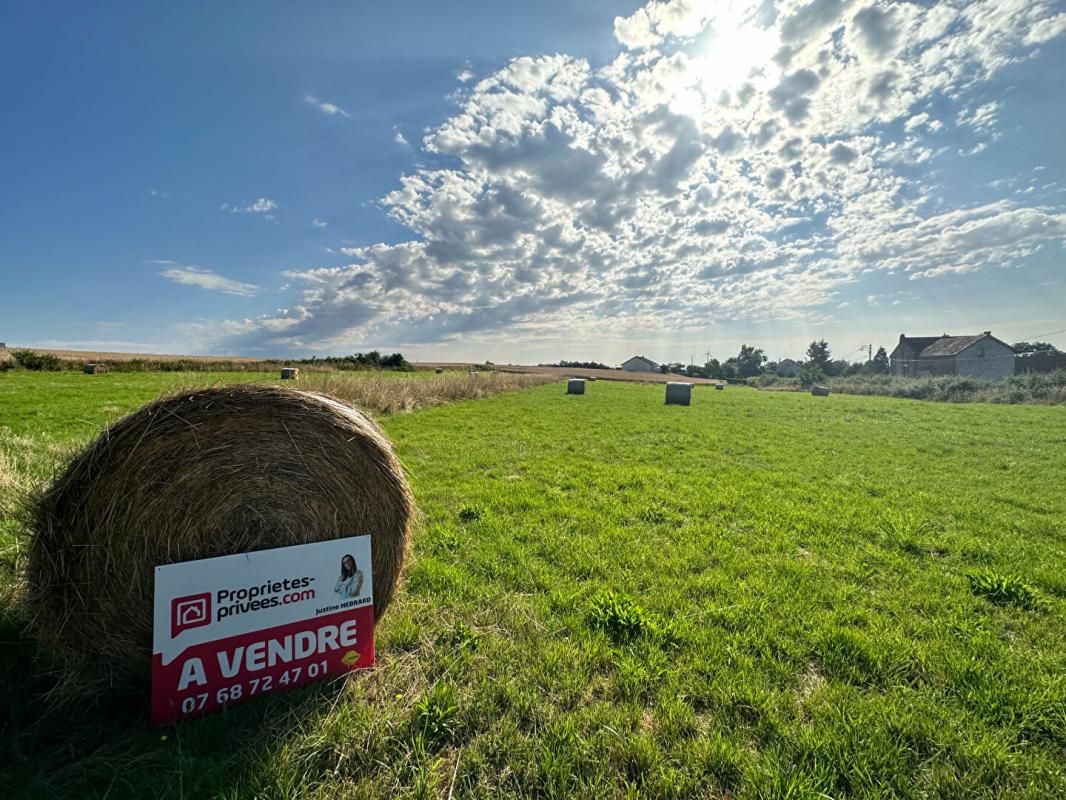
<point x="233" y="628"/>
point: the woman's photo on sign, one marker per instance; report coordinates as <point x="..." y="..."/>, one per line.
<point x="350" y="583"/>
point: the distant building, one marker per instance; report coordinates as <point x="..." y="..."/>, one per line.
<point x="640" y="364"/>
<point x="978" y="356"/>
<point x="787" y="368"/>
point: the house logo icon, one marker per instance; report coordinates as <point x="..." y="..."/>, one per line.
<point x="191" y="611"/>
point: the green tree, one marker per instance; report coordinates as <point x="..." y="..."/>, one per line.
<point x="749" y="361"/>
<point x="1035" y="347"/>
<point x="880" y="363"/>
<point x="712" y="369"/>
<point x="818" y="354"/>
<point x="836" y="367"/>
<point x="810" y="375"/>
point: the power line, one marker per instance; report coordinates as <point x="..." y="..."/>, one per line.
<point x="1049" y="333"/>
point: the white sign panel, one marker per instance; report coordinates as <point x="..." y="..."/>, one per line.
<point x="232" y="628"/>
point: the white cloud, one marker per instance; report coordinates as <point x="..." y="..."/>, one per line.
<point x="922" y="120"/>
<point x="324" y="107"/>
<point x="982" y="118"/>
<point x="464" y="75"/>
<point x="206" y="279"/>
<point x="317" y="223"/>
<point x="399" y="138"/>
<point x="729" y="164"/>
<point x="263" y="205"/>
<point x="1046" y="29"/>
<point x="160" y="195"/>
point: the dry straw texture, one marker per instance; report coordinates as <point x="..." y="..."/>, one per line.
<point x="388" y="394"/>
<point x="199" y="474"/>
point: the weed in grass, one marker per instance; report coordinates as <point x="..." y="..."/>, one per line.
<point x="1005" y="590"/>
<point x="463" y="638"/>
<point x="619" y="617"/>
<point x="436" y="715"/>
<point x="471" y="513"/>
<point x="654" y="515"/>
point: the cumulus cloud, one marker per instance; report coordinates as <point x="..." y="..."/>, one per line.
<point x="317" y="223"/>
<point x="733" y="162"/>
<point x="324" y="107"/>
<point x="206" y="279"/>
<point x="877" y="31"/>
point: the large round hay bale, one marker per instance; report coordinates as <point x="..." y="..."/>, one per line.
<point x="678" y="393"/>
<point x="199" y="474"/>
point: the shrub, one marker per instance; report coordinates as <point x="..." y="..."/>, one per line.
<point x="1049" y="387"/>
<point x="1004" y="590"/>
<point x="29" y="359"/>
<point x="811" y="375"/>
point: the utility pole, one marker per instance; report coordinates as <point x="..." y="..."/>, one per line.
<point x="869" y="348"/>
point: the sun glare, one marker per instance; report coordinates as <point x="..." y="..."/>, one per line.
<point x="735" y="50"/>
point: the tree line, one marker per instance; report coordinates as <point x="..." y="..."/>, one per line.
<point x="752" y="361"/>
<point x="819" y="365"/>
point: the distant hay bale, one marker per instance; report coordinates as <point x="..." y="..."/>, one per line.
<point x="439" y="370"/>
<point x="473" y="373"/>
<point x="95" y="369"/>
<point x="719" y="387"/>
<point x="575" y="386"/>
<point x="820" y="391"/>
<point x="202" y="473"/>
<point x="678" y="393"/>
<point x="591" y="378"/>
<point x="290" y="374"/>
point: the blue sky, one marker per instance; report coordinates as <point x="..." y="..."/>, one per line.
<point x="542" y="181"/>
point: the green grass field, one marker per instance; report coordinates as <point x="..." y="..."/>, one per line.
<point x="758" y="596"/>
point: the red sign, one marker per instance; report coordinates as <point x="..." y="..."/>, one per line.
<point x="234" y="628"/>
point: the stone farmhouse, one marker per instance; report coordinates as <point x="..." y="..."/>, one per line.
<point x="978" y="356"/>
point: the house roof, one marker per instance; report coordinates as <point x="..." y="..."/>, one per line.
<point x="645" y="359"/>
<point x="919" y="343"/>
<point x="788" y="361"/>
<point x="950" y="345"/>
<point x="941" y="346"/>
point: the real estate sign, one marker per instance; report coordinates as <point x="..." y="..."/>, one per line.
<point x="233" y="628"/>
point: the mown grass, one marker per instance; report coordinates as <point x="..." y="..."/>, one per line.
<point x="761" y="595"/>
